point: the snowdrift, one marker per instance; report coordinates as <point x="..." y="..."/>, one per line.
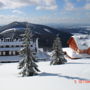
<point x="74" y="55"/>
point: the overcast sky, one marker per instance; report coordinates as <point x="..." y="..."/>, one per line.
<point x="45" y="11"/>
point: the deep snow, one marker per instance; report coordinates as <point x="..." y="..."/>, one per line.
<point x="57" y="77"/>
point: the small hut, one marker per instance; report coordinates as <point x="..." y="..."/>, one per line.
<point x="79" y="46"/>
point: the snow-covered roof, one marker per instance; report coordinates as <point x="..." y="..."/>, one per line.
<point x="82" y="41"/>
<point x="11" y="43"/>
<point x="71" y="53"/>
<point x="10" y="49"/>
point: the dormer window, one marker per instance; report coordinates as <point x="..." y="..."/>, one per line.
<point x="84" y="44"/>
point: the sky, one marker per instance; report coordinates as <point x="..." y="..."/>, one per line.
<point x="45" y="11"/>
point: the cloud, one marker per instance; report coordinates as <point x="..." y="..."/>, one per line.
<point x="10" y="18"/>
<point x="47" y="4"/>
<point x="12" y="4"/>
<point x="40" y="20"/>
<point x="17" y="11"/>
<point x="40" y="4"/>
<point x="87" y="6"/>
<point x="1" y="5"/>
<point x="44" y="19"/>
<point x="53" y="7"/>
<point x="69" y="6"/>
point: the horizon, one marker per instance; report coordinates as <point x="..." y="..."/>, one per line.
<point x="45" y="11"/>
<point x="52" y="24"/>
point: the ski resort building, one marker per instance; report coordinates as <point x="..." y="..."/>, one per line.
<point x="10" y="50"/>
<point x="79" y="46"/>
<point x="11" y="47"/>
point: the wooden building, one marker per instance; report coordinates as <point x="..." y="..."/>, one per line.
<point x="80" y="44"/>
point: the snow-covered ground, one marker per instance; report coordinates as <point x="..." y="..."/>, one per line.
<point x="58" y="77"/>
<point x="10" y="58"/>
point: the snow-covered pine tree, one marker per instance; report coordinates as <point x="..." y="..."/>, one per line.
<point x="27" y="65"/>
<point x="58" y="55"/>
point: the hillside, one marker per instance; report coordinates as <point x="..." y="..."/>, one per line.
<point x="45" y="34"/>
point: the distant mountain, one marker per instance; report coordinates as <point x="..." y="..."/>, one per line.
<point x="45" y="34"/>
<point x="74" y="29"/>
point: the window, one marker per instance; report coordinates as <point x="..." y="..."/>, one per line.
<point x="7" y="46"/>
<point x="17" y="45"/>
<point x="2" y="46"/>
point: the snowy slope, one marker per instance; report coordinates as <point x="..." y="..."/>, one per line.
<point x="58" y="77"/>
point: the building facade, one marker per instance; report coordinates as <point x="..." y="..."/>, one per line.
<point x="9" y="47"/>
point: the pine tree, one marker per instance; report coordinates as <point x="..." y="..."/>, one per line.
<point x="58" y="55"/>
<point x="27" y="64"/>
